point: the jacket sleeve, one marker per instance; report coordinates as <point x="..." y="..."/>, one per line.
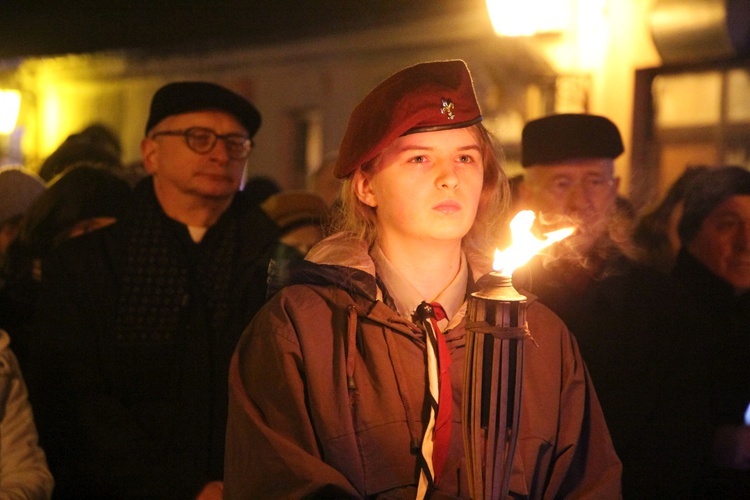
<point x="96" y="445"/>
<point x="271" y="445"/>
<point x="587" y="465"/>
<point x="23" y="468"/>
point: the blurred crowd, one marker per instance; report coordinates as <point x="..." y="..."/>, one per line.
<point x="658" y="300"/>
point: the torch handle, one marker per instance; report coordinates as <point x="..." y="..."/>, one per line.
<point x="492" y="393"/>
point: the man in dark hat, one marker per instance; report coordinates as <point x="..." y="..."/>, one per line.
<point x="611" y="304"/>
<point x="711" y="284"/>
<point x="137" y="321"/>
<point x="569" y="162"/>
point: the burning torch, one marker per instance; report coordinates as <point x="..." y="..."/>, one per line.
<point x="495" y="333"/>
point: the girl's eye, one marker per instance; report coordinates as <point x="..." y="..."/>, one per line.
<point x="465" y="159"/>
<point x="419" y="159"/>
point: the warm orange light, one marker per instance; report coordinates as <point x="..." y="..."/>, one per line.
<point x="10" y="104"/>
<point x="529" y="17"/>
<point x="524" y="244"/>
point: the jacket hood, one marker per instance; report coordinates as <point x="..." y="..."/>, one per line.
<point x="340" y="259"/>
<point x="343" y="260"/>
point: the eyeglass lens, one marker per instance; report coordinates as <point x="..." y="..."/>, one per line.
<point x="203" y="140"/>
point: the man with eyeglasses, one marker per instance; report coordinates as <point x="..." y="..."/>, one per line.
<point x="608" y="301"/>
<point x="569" y="163"/>
<point x="138" y="321"/>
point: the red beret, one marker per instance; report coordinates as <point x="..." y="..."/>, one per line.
<point x="569" y="136"/>
<point x="426" y="97"/>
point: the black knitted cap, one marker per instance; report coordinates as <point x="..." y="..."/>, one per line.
<point x="184" y="97"/>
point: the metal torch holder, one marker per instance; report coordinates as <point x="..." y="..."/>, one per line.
<point x="496" y="330"/>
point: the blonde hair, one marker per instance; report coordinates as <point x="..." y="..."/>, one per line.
<point x="355" y="217"/>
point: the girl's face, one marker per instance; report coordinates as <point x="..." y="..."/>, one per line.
<point x="425" y="186"/>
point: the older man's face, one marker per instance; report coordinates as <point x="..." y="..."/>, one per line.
<point x="582" y="193"/>
<point x="723" y="242"/>
<point x="180" y="172"/>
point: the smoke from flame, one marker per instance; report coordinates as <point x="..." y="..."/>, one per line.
<point x="524" y="244"/>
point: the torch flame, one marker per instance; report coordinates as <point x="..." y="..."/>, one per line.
<point x="524" y="244"/>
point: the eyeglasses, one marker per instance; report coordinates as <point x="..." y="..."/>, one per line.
<point x="203" y="140"/>
<point x="591" y="184"/>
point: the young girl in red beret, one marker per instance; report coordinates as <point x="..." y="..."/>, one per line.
<point x="335" y="390"/>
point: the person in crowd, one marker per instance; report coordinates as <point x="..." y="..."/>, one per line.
<point x="569" y="179"/>
<point x="18" y="190"/>
<point x="137" y="321"/>
<point x="260" y="187"/>
<point x="94" y="144"/>
<point x="328" y="385"/>
<point x="301" y="216"/>
<point x="102" y="136"/>
<point x="323" y="182"/>
<point x="80" y="199"/>
<point x="23" y="466"/>
<point x="612" y="304"/>
<point x="133" y="172"/>
<point x="711" y="329"/>
<point x="655" y="234"/>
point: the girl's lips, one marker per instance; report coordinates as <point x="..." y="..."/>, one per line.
<point x="448" y="206"/>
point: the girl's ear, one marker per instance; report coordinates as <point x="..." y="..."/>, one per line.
<point x="363" y="188"/>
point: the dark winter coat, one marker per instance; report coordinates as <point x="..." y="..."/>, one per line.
<point x="137" y="324"/>
<point x="711" y="329"/>
<point x="623" y="317"/>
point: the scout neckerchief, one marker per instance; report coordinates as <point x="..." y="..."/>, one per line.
<point x="436" y="439"/>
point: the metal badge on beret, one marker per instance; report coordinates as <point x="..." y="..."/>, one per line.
<point x="447" y="109"/>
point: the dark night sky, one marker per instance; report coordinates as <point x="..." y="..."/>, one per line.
<point x="43" y="27"/>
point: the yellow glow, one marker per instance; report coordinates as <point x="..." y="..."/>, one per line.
<point x="52" y="117"/>
<point x="529" y="17"/>
<point x="592" y="36"/>
<point x="524" y="244"/>
<point x="10" y="105"/>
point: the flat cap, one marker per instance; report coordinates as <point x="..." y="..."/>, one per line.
<point x="294" y="208"/>
<point x="566" y="137"/>
<point x="706" y="191"/>
<point x="425" y="97"/>
<point x="184" y="97"/>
